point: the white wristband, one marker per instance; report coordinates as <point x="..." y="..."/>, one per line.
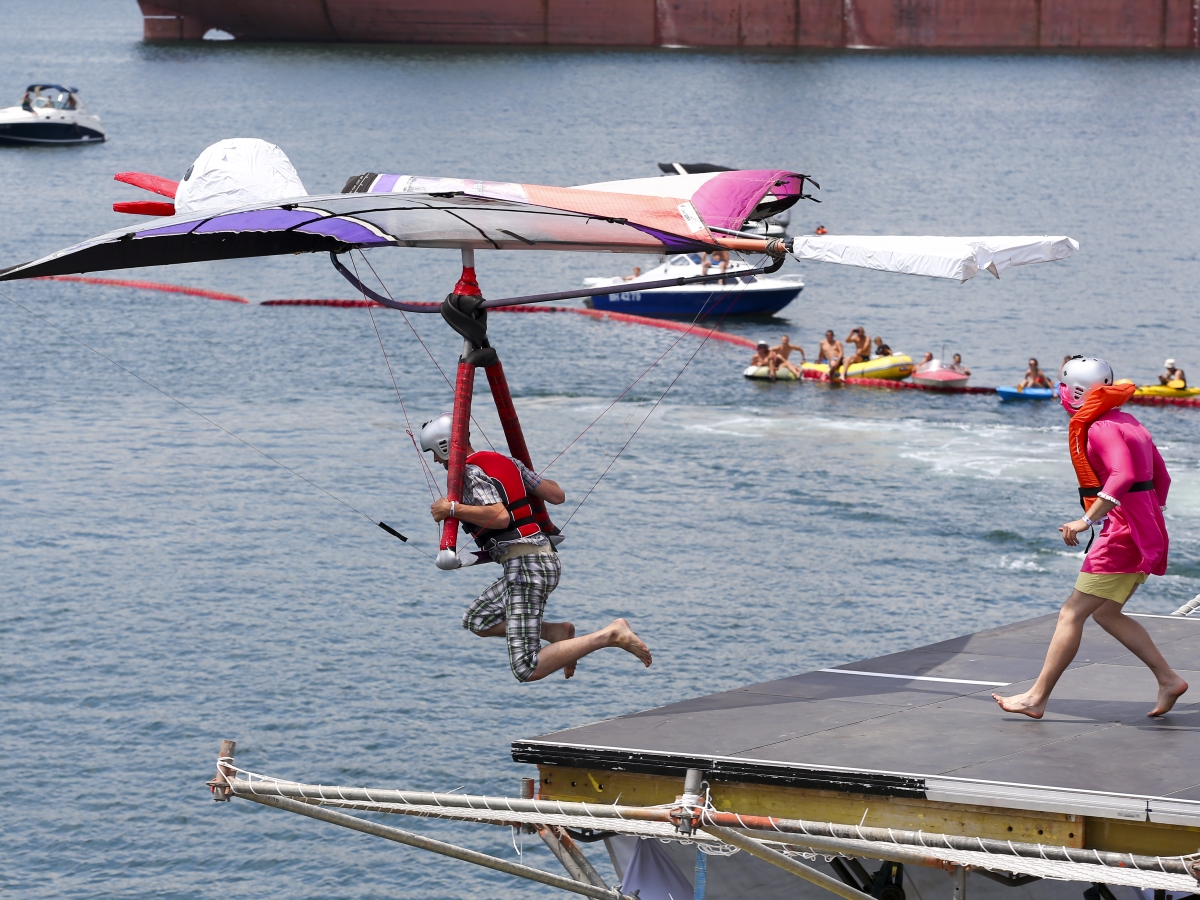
<point x="453" y="507"/>
<point x="1087" y="521"/>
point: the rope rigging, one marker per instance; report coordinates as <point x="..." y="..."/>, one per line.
<point x="465" y="312"/>
<point x="218" y="425"/>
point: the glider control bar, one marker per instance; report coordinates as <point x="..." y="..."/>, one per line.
<point x="775" y="266"/>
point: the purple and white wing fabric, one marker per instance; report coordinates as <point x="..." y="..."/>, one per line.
<point x="494" y="217"/>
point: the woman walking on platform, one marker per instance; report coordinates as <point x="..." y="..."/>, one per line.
<point x="1116" y="463"/>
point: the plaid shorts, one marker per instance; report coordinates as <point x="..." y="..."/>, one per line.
<point x="518" y="599"/>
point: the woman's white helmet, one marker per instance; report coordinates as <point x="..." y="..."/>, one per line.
<point x="1080" y="374"/>
<point x="435" y="435"/>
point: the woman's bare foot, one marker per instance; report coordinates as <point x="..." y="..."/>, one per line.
<point x="560" y="631"/>
<point x="1020" y="703"/>
<point x="621" y="635"/>
<point x="1167" y="695"/>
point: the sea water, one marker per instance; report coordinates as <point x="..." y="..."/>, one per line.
<point x="165" y="586"/>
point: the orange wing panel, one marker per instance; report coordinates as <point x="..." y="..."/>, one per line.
<point x="661" y="213"/>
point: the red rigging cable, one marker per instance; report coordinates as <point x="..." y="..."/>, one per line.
<point x="413" y="329"/>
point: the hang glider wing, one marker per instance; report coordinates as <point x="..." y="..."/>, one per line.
<point x="959" y="258"/>
<point x="724" y="199"/>
<point x="445" y="213"/>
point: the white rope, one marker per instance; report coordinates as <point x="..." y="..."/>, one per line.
<point x="1042" y="867"/>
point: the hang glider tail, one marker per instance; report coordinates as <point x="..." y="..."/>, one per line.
<point x="956" y="258"/>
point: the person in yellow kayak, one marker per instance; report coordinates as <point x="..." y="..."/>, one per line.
<point x="1034" y="377"/>
<point x="1174" y="376"/>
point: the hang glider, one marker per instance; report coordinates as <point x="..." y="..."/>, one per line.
<point x="414" y="211"/>
<point x="242" y="198"/>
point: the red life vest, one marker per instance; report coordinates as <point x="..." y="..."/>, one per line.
<point x="504" y="475"/>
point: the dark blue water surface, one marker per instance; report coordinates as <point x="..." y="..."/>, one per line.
<point x="165" y="587"/>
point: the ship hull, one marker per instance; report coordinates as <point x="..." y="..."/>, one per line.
<point x="951" y="24"/>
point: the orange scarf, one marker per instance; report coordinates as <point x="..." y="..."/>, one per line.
<point x="1099" y="400"/>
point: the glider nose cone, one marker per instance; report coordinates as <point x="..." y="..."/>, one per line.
<point x="447" y="559"/>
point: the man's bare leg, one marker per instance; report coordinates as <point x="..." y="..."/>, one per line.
<point x="1063" y="647"/>
<point x="551" y="631"/>
<point x="567" y="652"/>
<point x="1111" y="617"/>
<point x="560" y="631"/>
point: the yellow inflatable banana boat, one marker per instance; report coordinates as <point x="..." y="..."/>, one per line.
<point x="1170" y="389"/>
<point x="891" y="368"/>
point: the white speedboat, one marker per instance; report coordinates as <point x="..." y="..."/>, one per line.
<point x="49" y="114"/>
<point x="740" y="295"/>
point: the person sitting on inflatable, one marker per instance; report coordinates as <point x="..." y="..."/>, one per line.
<point x="1173" y="377"/>
<point x="784" y="351"/>
<point x="831" y="353"/>
<point x="1034" y="377"/>
<point x="764" y="356"/>
<point x="1123" y="486"/>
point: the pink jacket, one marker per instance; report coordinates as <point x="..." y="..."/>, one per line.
<point x="1134" y="537"/>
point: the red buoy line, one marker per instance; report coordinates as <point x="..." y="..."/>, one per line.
<point x="706" y="333"/>
<point x="148" y="286"/>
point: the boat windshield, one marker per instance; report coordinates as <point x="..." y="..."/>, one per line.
<point x="49" y="97"/>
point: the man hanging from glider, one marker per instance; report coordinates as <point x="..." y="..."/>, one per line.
<point x="495" y="510"/>
<point x="1116" y="463"/>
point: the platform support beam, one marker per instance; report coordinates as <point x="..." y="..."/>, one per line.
<point x="775" y="858"/>
<point x="440" y="847"/>
<point x="960" y="883"/>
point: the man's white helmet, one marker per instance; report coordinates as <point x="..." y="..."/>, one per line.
<point x="435" y="435"/>
<point x="1082" y="373"/>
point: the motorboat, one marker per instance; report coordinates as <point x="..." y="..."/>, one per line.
<point x="49" y="114"/>
<point x="738" y="295"/>
<point x="939" y="375"/>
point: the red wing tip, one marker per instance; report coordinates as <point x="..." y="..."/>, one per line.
<point x="155" y="183"/>
<point x="145" y="208"/>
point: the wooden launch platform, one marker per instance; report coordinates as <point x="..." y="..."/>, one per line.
<point x="913" y="740"/>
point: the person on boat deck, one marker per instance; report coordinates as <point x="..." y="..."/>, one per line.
<point x="765" y="356"/>
<point x="718" y="256"/>
<point x="784" y="351"/>
<point x="1034" y="377"/>
<point x="831" y="353"/>
<point x="862" y="347"/>
<point x="637" y="273"/>
<point x="958" y="366"/>
<point x="1173" y="373"/>
<point x="495" y="510"/>
<point x="1116" y="463"/>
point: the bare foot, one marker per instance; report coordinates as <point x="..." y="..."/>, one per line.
<point x="1167" y="697"/>
<point x="623" y="637"/>
<point x="1021" y="703"/>
<point x="560" y="631"/>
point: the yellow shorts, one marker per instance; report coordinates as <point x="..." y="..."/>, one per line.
<point x="1111" y="587"/>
